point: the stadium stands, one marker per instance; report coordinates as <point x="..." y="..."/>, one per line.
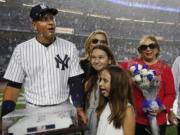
<point x="124" y="25"/>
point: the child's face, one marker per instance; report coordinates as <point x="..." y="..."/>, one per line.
<point x="99" y="59"/>
<point x="105" y="83"/>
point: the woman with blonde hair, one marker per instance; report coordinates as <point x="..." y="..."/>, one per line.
<point x="96" y="37"/>
<point x="149" y="51"/>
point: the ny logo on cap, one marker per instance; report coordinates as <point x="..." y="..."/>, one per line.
<point x="43" y="6"/>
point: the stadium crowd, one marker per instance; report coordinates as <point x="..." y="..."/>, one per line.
<point x="124" y="49"/>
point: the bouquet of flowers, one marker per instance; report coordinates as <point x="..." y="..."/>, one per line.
<point x="148" y="83"/>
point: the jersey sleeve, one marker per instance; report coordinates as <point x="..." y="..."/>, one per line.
<point x="176" y="74"/>
<point x="14" y="71"/>
<point x="75" y="66"/>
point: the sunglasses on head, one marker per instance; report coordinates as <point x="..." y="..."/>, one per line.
<point x="95" y="41"/>
<point x="144" y="47"/>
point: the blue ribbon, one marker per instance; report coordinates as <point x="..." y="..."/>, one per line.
<point x="147" y="105"/>
<point x="159" y="102"/>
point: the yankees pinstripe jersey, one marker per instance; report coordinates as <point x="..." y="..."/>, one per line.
<point x="44" y="71"/>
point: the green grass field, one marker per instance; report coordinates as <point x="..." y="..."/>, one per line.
<point x="171" y="130"/>
<point x="21" y="104"/>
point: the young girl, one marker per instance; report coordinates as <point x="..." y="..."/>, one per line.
<point x="100" y="57"/>
<point x="95" y="38"/>
<point x="115" y="111"/>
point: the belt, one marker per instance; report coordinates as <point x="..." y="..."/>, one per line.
<point x="41" y="105"/>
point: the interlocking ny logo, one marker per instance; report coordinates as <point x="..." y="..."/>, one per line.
<point x="63" y="62"/>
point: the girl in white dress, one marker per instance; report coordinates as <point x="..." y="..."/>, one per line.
<point x="115" y="111"/>
<point x="100" y="57"/>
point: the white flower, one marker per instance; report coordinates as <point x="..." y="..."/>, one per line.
<point x="145" y="83"/>
<point x="137" y="78"/>
<point x="151" y="72"/>
<point x="139" y="67"/>
<point x="132" y="68"/>
<point x="144" y="72"/>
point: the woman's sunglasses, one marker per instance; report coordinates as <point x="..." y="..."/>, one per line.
<point x="144" y="47"/>
<point x="95" y="41"/>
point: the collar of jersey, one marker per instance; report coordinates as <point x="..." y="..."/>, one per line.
<point x="46" y="45"/>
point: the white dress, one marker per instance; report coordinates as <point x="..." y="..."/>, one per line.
<point x="104" y="128"/>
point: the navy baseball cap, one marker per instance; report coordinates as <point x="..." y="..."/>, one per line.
<point x="41" y="9"/>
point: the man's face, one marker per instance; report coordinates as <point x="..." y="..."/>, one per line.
<point x="45" y="27"/>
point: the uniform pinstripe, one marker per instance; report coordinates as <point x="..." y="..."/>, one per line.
<point x="41" y="70"/>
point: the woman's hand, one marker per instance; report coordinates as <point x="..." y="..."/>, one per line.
<point x="156" y="112"/>
<point x="172" y="118"/>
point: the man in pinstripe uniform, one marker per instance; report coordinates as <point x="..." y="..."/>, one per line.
<point x="46" y="65"/>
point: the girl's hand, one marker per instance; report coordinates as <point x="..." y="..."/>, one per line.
<point x="82" y="115"/>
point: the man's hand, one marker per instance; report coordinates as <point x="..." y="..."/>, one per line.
<point x="82" y="115"/>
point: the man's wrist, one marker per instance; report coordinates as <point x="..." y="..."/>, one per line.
<point x="7" y="107"/>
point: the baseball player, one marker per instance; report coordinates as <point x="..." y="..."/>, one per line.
<point x="47" y="66"/>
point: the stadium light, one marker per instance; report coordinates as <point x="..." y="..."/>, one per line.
<point x="99" y="16"/>
<point x="70" y="11"/>
<point x="64" y="30"/>
<point x="123" y="19"/>
<point x="146" y="6"/>
<point x="144" y="21"/>
<point x="27" y="5"/>
<point x="170" y="23"/>
<point x="2" y="0"/>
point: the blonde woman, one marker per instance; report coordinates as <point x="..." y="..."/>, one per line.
<point x="149" y="51"/>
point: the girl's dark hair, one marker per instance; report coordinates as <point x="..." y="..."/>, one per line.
<point x="92" y="75"/>
<point x="119" y="97"/>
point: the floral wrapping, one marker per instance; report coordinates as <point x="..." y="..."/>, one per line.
<point x="148" y="83"/>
